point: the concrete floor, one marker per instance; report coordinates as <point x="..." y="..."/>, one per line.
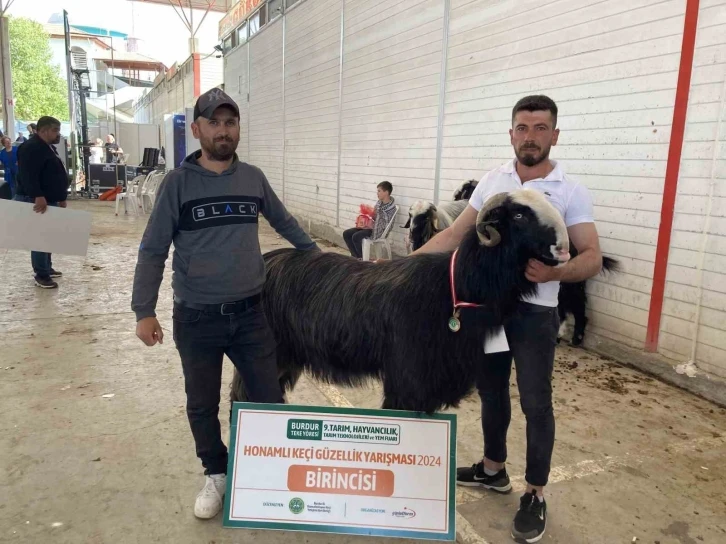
<point x="634" y="458"/>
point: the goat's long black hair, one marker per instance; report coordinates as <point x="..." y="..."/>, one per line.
<point x="347" y="321"/>
<point x="422" y="229"/>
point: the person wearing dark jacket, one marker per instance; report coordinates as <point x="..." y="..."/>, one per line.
<point x="42" y="181"/>
<point x="9" y="160"/>
<point x="209" y="208"/>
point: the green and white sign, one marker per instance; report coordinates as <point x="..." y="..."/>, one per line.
<point x="342" y="470"/>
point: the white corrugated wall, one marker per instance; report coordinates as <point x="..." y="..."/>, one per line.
<point x="236" y="78"/>
<point x="172" y="95"/>
<point x="695" y="303"/>
<point x="211" y="72"/>
<point x="188" y="98"/>
<point x="391" y="76"/>
<point x="266" y="132"/>
<point x="312" y="108"/>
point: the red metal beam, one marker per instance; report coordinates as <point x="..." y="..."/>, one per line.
<point x="670" y="189"/>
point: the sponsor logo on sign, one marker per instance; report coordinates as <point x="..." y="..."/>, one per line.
<point x="405" y="513"/>
<point x="304" y="429"/>
<point x="319" y="507"/>
<point x="297" y="505"/>
<point x="269" y="504"/>
<point x="373" y="510"/>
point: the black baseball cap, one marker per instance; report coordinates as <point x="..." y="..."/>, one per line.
<point x="210" y="101"/>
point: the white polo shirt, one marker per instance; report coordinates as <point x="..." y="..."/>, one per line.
<point x="571" y="199"/>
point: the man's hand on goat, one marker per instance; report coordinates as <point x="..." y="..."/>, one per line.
<point x="539" y="272"/>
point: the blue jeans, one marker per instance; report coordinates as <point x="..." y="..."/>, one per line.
<point x="41" y="261"/>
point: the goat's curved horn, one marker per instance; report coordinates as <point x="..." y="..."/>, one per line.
<point x="488" y="235"/>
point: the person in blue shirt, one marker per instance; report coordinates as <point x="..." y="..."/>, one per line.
<point x="9" y="158"/>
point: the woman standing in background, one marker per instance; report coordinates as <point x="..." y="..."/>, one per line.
<point x="97" y="152"/>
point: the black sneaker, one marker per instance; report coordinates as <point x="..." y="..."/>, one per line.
<point x="55" y="274"/>
<point x="531" y="519"/>
<point x="45" y="283"/>
<point x="475" y="476"/>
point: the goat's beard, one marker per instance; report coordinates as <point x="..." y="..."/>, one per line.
<point x="530" y="156"/>
<point x="220" y="149"/>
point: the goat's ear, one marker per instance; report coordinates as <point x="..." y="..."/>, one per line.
<point x="408" y="223"/>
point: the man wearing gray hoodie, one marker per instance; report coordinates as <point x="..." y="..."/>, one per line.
<point x="209" y="208"/>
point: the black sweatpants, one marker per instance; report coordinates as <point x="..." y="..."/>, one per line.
<point x="202" y="340"/>
<point x="354" y="240"/>
<point x="532" y="337"/>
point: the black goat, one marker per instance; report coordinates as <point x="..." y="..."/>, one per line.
<point x="466" y="190"/>
<point x="346" y="321"/>
<point x="426" y="220"/>
<point x="572" y="299"/>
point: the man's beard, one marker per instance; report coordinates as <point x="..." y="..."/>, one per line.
<point x="221" y="149"/>
<point x="532" y="156"/>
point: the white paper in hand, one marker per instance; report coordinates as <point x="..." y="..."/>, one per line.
<point x="497" y="342"/>
<point x="58" y="230"/>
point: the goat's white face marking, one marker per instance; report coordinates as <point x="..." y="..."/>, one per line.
<point x="548" y="215"/>
<point x="419" y="208"/>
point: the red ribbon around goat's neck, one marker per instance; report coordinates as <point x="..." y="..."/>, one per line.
<point x="457" y="304"/>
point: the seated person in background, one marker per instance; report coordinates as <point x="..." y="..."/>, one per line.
<point x="385" y="210"/>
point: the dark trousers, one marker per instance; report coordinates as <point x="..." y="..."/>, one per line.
<point x="42" y="262"/>
<point x="354" y="240"/>
<point x="532" y="336"/>
<point x="202" y="340"/>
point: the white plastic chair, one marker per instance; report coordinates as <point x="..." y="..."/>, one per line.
<point x="131" y="194"/>
<point x="149" y="193"/>
<point x="382" y="241"/>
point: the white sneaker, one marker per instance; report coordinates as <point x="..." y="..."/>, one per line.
<point x="211" y="498"/>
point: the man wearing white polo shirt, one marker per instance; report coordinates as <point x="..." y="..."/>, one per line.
<point x="532" y="333"/>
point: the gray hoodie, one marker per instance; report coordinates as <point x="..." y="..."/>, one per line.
<point x="212" y="220"/>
